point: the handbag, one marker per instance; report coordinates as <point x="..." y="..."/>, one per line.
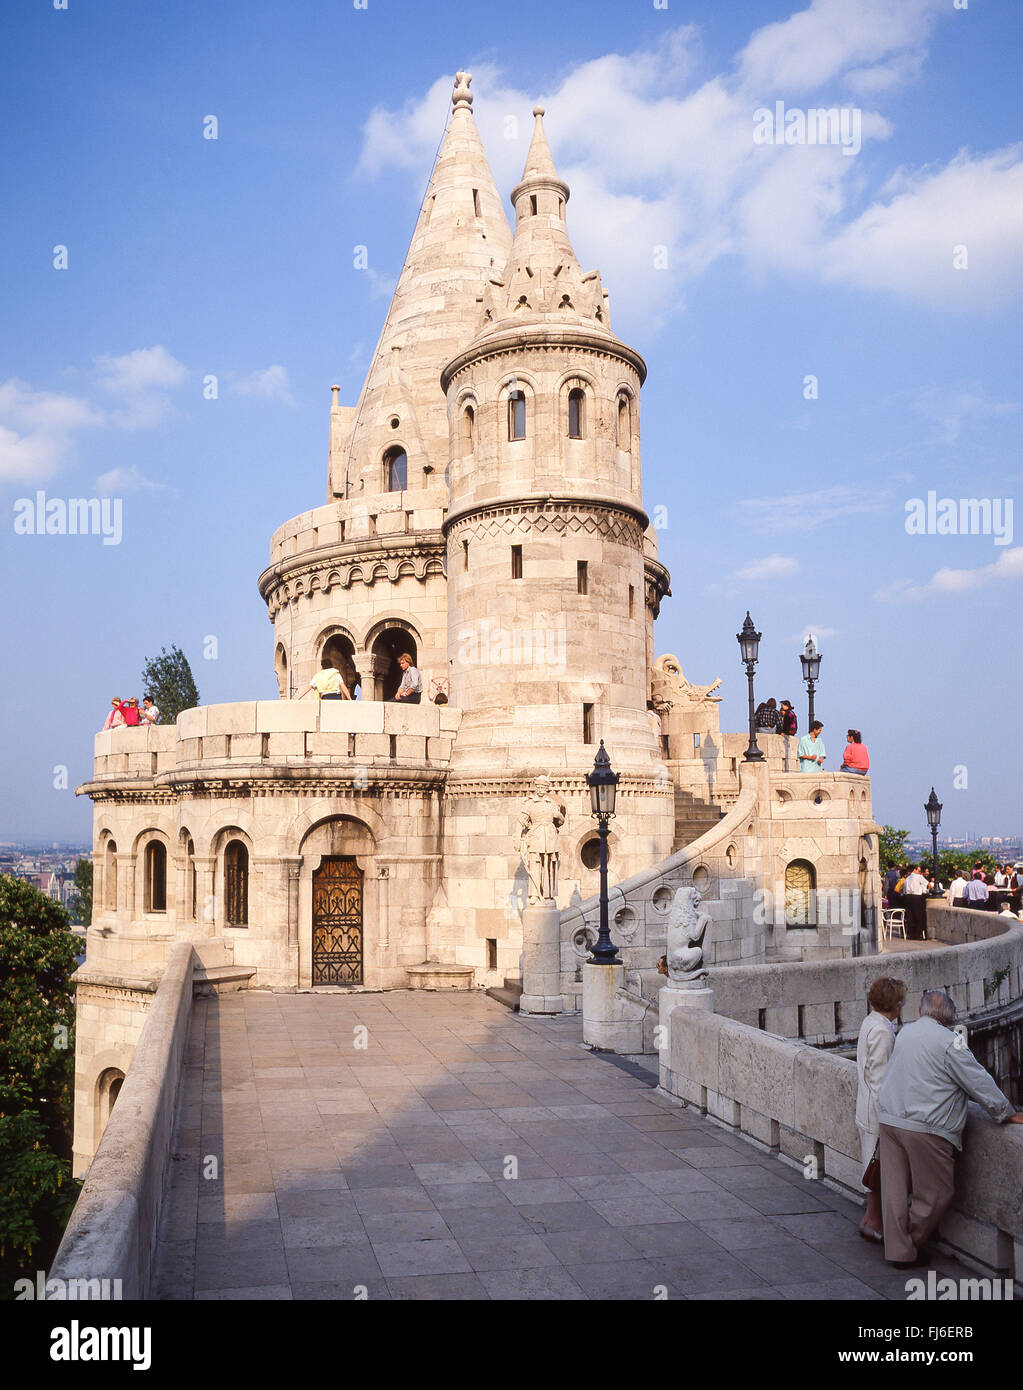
<point x="872" y="1172"/>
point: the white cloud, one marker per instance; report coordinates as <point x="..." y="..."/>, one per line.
<point x="37" y="430"/>
<point x="140" y="370"/>
<point x="270" y="383"/>
<point x="770" y="567"/>
<point x="1008" y="566"/>
<point x="655" y="158"/>
<point x="820" y="633"/>
<point x="805" y="511"/>
<point x="120" y="480"/>
<point x="952" y="410"/>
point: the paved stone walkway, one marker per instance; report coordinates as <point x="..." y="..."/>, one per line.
<point x="389" y="1166"/>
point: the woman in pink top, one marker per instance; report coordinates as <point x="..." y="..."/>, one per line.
<point x="855" y="758"/>
<point x="115" y="716"/>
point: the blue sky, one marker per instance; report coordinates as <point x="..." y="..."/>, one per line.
<point x="234" y="256"/>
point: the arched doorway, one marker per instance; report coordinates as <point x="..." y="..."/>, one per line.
<point x="108" y="1088"/>
<point x="386" y="649"/>
<point x="340" y="652"/>
<point x="337" y="921"/>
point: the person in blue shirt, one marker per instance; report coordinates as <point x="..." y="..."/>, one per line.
<point x="811" y="750"/>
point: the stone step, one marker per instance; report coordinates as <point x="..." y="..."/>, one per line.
<point x="219" y="979"/>
<point x="507" y="994"/>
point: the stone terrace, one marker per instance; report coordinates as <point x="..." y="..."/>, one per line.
<point x="384" y="1166"/>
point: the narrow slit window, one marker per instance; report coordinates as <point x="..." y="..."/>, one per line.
<point x="587" y="723"/>
<point x="156" y="877"/>
<point x="532" y="204"/>
<point x="516" y="570"/>
<point x="624" y="424"/>
<point x="465" y="555"/>
<point x="469" y="429"/>
<point x="394" y="746"/>
<point x="576" y="398"/>
<point x="516" y="415"/>
<point x="476" y="202"/>
<point x="632" y="600"/>
<point x="491" y="952"/>
<point x="582" y="576"/>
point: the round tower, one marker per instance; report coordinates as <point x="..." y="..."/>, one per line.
<point x="548" y="553"/>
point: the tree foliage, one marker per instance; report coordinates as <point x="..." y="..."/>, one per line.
<point x="82" y="900"/>
<point x="37" y="1062"/>
<point x="891" y="847"/>
<point x="168" y="679"/>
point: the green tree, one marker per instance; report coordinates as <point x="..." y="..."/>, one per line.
<point x="891" y="847"/>
<point x="82" y="901"/>
<point x="168" y="679"/>
<point x="37" y="1064"/>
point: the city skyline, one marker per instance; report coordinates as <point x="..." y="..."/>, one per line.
<point x="820" y="367"/>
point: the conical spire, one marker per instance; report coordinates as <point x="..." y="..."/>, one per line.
<point x="542" y="280"/>
<point x="461" y="239"/>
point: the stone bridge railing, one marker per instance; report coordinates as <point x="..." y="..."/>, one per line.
<point x="113" y="1227"/>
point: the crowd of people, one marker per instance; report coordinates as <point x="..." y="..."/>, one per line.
<point x="908" y="886"/>
<point x="130" y="713"/>
<point x="913" y="1086"/>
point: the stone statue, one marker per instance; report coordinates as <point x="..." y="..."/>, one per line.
<point x="540" y="818"/>
<point x="687" y="927"/>
<point x="670" y="687"/>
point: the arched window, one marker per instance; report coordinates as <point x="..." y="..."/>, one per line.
<point x="469" y="429"/>
<point x="156" y="877"/>
<point x="800" y="884"/>
<point x="576" y="412"/>
<point x="110" y="875"/>
<point x="108" y="1088"/>
<point x="516" y="415"/>
<point x="281" y="670"/>
<point x="624" y="423"/>
<point x="236" y="880"/>
<point x="396" y="470"/>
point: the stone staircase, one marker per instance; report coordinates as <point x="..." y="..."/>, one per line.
<point x="693" y="818"/>
<point x="507" y="994"/>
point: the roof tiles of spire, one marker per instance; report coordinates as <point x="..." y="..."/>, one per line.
<point x="461" y="239"/>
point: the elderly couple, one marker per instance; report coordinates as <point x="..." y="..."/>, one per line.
<point x="911" y="1109"/>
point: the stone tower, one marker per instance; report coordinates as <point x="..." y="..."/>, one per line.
<point x="552" y="576"/>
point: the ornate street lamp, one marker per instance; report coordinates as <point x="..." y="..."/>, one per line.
<point x="933" y="808"/>
<point x="810" y="659"/>
<point x="749" y="649"/>
<point x="603" y="785"/>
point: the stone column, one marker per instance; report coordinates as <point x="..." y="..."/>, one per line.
<point x="291" y="870"/>
<point x="600" y="984"/>
<point x="207" y="918"/>
<point x="541" y="961"/>
<point x="126" y="884"/>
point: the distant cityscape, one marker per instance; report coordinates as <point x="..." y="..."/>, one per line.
<point x="51" y="869"/>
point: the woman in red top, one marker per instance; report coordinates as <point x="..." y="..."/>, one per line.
<point x="856" y="758"/>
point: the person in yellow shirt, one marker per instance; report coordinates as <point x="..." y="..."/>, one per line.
<point x="328" y="683"/>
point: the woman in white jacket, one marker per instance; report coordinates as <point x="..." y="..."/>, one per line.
<point x="873" y="1049"/>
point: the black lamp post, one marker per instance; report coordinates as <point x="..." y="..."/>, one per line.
<point x="603" y="785"/>
<point x="810" y="659"/>
<point x="933" y="808"/>
<point x="749" y="648"/>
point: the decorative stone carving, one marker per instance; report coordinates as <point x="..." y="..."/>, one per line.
<point x="540" y="819"/>
<point x="671" y="689"/>
<point x="687" y="927"/>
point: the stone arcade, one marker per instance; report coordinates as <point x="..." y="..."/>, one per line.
<point x="484" y="513"/>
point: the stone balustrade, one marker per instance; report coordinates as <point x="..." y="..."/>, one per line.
<point x="801" y="1104"/>
<point x="258" y="732"/>
<point x="113" y="1227"/>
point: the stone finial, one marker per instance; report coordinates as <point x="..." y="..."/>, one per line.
<point x="461" y="95"/>
<point x="334" y="402"/>
<point x="538" y="111"/>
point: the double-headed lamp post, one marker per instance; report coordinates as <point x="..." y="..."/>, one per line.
<point x="749" y="648"/>
<point x="933" y="808"/>
<point x="603" y="785"/>
<point x="810" y="659"/>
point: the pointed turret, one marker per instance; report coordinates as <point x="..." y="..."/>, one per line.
<point x="542" y="280"/>
<point x="461" y="240"/>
